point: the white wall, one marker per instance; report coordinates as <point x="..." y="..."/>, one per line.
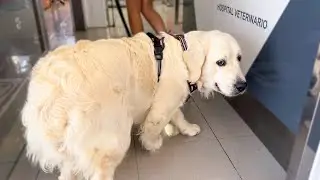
<point x="94" y="13"/>
<point x="250" y="37"/>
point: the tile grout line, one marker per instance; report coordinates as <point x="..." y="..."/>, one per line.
<point x="14" y="95"/>
<point x="16" y="162"/>
<point x="217" y="138"/>
<point x="37" y="175"/>
<point x="136" y="158"/>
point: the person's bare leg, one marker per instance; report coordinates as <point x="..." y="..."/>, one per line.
<point x="134" y="8"/>
<point x="152" y="16"/>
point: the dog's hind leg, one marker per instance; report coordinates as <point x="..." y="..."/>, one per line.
<point x="107" y="160"/>
<point x="104" y="141"/>
<point x="183" y="125"/>
<point x="170" y="130"/>
<point x="66" y="172"/>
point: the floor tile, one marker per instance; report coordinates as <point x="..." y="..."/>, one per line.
<point x="12" y="144"/>
<point x="221" y="117"/>
<point x="5" y="169"/>
<point x="252" y="160"/>
<point x="193" y="115"/>
<point x="128" y="169"/>
<point x="7" y="88"/>
<point x="11" y="114"/>
<point x="24" y="170"/>
<point x="203" y="159"/>
<point x="46" y="176"/>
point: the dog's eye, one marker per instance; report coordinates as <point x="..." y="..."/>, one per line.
<point x="221" y="62"/>
<point x="239" y="57"/>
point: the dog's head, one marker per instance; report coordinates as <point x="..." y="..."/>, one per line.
<point x="213" y="61"/>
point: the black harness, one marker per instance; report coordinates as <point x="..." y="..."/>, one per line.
<point x="159" y="46"/>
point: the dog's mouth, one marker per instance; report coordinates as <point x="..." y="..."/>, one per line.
<point x="217" y="86"/>
<point x="223" y="94"/>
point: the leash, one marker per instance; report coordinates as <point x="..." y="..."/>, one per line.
<point x="158" y="44"/>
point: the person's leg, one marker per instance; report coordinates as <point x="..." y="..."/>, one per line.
<point x="152" y="16"/>
<point x="134" y="8"/>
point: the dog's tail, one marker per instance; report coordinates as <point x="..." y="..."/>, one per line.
<point x="40" y="148"/>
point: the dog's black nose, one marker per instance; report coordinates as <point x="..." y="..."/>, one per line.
<point x="241" y="86"/>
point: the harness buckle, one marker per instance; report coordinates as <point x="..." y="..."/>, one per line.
<point x="158" y="48"/>
<point x="192" y="87"/>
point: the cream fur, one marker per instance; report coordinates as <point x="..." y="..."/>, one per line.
<point x="83" y="100"/>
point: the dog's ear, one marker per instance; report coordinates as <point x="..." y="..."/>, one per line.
<point x="194" y="58"/>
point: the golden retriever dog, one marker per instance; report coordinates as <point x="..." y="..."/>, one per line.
<point x="83" y="99"/>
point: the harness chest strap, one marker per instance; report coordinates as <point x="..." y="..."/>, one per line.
<point x="158" y="53"/>
<point x="159" y="46"/>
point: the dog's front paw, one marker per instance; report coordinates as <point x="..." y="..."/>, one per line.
<point x="191" y="130"/>
<point x="151" y="143"/>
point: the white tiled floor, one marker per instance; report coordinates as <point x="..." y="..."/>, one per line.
<point x="23" y="169"/>
<point x="248" y="155"/>
<point x="196" y="158"/>
<point x="5" y="169"/>
<point x="252" y="160"/>
<point x="229" y="124"/>
<point x="11" y="146"/>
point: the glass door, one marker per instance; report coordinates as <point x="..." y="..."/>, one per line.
<point x="58" y="22"/>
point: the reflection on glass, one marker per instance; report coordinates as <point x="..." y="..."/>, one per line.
<point x="21" y="63"/>
<point x="13" y="5"/>
<point x="315" y="82"/>
<point x="310" y="128"/>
